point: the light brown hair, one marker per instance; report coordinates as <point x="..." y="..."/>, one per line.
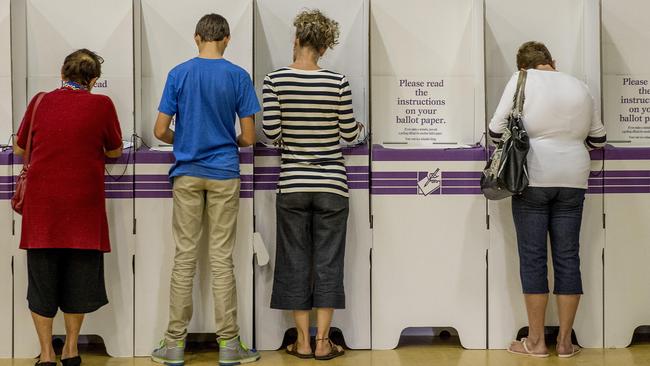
<point x="532" y="54"/>
<point x="212" y="27"/>
<point x="315" y="30"/>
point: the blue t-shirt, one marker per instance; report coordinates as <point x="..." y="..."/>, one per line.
<point x="205" y="95"/>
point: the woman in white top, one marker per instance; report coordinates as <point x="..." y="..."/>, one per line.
<point x="562" y="122"/>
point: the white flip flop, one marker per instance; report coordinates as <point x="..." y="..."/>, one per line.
<point x="528" y="352"/>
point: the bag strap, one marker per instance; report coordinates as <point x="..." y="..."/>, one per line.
<point x="520" y="97"/>
<point x="28" y="148"/>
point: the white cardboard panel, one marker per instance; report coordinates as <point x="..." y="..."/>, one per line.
<point x="5" y="73"/>
<point x="155" y="248"/>
<point x="627" y="277"/>
<point x="274" y="43"/>
<point x="167" y="36"/>
<point x="428" y="41"/>
<point x="626" y="34"/>
<point x="428" y="274"/>
<point x="507" y="311"/>
<point x="569" y="28"/>
<point x="109" y="33"/>
<point x="6" y="252"/>
<point x="113" y="322"/>
<point x="354" y="321"/>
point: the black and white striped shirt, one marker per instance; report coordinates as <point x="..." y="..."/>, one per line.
<point x="309" y="111"/>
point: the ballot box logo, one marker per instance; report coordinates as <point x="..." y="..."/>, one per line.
<point x="429" y="182"/>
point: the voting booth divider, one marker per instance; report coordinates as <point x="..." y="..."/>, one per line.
<point x="575" y="45"/>
<point x="626" y="93"/>
<point x="155" y="248"/>
<point x="6" y="106"/>
<point x="273" y="50"/>
<point x="6" y="251"/>
<point x="113" y="322"/>
<point x="354" y="321"/>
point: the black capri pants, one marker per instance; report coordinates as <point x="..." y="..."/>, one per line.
<point x="310" y="254"/>
<point x="68" y="279"/>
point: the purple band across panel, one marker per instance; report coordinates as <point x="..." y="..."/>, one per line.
<point x="262" y="150"/>
<point x="380" y="153"/>
<point x="5" y="157"/>
<point x="147" y="156"/>
<point x="6" y="196"/>
<point x="627" y="153"/>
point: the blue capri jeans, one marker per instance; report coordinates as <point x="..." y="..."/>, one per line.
<point x="555" y="212"/>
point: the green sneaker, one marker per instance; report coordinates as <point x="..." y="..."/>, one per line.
<point x="169" y="353"/>
<point x="234" y="352"/>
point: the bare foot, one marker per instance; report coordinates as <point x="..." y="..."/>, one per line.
<point x="527" y="347"/>
<point x="324" y="347"/>
<point x="303" y="349"/>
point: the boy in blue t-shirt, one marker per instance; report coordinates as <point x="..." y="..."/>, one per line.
<point x="206" y="94"/>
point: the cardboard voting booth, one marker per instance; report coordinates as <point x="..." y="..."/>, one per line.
<point x="428" y="113"/>
<point x="105" y="28"/>
<point x="273" y="50"/>
<point x="167" y="39"/>
<point x="626" y="102"/>
<point x="6" y="226"/>
<point x="113" y="322"/>
<point x="155" y="248"/>
<point x="575" y="45"/>
<point x="6" y="106"/>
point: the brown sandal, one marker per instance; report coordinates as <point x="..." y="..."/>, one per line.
<point x="294" y="352"/>
<point x="334" y="351"/>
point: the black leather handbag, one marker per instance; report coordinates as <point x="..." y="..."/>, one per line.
<point x="506" y="172"/>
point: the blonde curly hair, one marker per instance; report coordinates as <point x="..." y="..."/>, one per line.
<point x="315" y="30"/>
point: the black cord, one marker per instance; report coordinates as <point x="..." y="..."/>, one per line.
<point x="126" y="164"/>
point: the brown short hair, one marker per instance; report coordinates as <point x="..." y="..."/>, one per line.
<point x="212" y="27"/>
<point x="315" y="30"/>
<point x="82" y="66"/>
<point x="532" y="54"/>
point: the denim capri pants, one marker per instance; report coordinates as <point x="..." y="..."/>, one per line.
<point x="556" y="212"/>
<point x="310" y="254"/>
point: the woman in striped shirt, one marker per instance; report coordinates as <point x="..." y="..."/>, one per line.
<point x="307" y="111"/>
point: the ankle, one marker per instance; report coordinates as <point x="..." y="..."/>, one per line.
<point x="47" y="356"/>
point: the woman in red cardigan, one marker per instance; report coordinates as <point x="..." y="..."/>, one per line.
<point x="65" y="230"/>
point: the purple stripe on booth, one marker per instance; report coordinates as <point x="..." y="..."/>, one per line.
<point x="265" y="186"/>
<point x="246" y="177"/>
<point x="627" y="182"/>
<point x="461" y="183"/>
<point x="357" y="169"/>
<point x="461" y="175"/>
<point x="394" y="175"/>
<point x="6" y="196"/>
<point x="394" y="182"/>
<point x="381" y="153"/>
<point x="446" y="190"/>
<point x="246" y="194"/>
<point x="119" y="194"/>
<point x="394" y="191"/>
<point x="267" y="178"/>
<point x="358" y="177"/>
<point x="6" y="157"/>
<point x="627" y="153"/>
<point x="627" y="174"/>
<point x="6" y="187"/>
<point x="6" y="179"/>
<point x="266" y="170"/>
<point x="154" y="194"/>
<point x="246" y="186"/>
<point x="118" y="186"/>
<point x="362" y="150"/>
<point x="613" y="190"/>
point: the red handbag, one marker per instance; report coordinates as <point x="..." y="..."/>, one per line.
<point x="21" y="183"/>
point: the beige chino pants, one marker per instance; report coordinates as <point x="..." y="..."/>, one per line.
<point x="220" y="200"/>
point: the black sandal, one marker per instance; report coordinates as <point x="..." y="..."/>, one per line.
<point x="39" y="363"/>
<point x="294" y="352"/>
<point x="72" y="361"/>
<point x="334" y="351"/>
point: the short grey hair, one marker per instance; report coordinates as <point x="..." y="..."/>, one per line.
<point x="212" y="27"/>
